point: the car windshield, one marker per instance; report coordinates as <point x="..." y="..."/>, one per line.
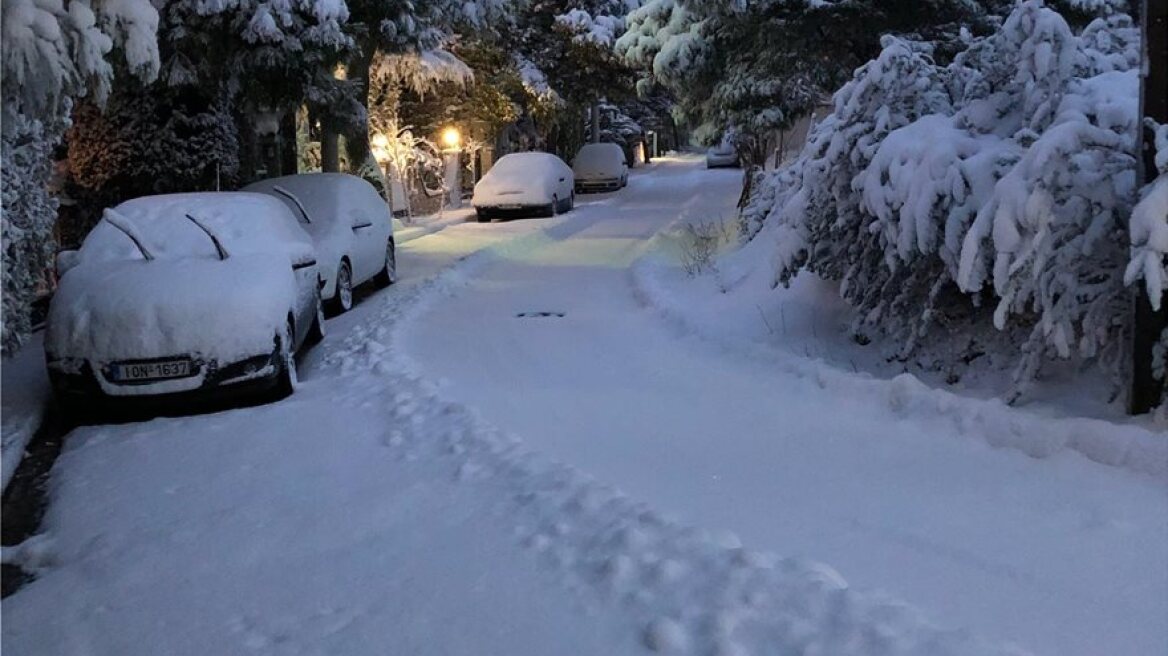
<point x="594" y="155"/>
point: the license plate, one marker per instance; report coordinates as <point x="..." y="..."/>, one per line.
<point x="151" y="370"/>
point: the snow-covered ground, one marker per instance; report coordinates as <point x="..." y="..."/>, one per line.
<point x="901" y="488"/>
<point x="24" y="395"/>
<point x="376" y="512"/>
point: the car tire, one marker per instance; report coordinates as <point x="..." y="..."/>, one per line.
<point x="482" y="216"/>
<point x="342" y="300"/>
<point x="316" y="331"/>
<point x="572" y="202"/>
<point x="286" y="377"/>
<point x="388" y="274"/>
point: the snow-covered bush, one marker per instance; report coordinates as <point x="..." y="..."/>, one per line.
<point x="28" y="212"/>
<point x="148" y="141"/>
<point x="1006" y="175"/>
<point x="53" y="52"/>
<point x="1149" y="242"/>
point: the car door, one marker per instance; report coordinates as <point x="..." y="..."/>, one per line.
<point x="369" y="220"/>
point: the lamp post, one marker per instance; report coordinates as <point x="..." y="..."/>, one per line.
<point x="451" y="139"/>
<point x="380" y="148"/>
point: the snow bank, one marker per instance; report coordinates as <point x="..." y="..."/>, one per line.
<point x="24" y="395"/>
<point x="1130" y="446"/>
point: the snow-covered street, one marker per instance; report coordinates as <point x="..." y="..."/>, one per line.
<point x="1062" y="555"/>
<point x="454" y="478"/>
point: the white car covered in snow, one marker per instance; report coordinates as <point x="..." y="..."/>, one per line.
<point x="600" y="167"/>
<point x="350" y="225"/>
<point x="180" y="295"/>
<point x="525" y="183"/>
<point x="722" y="155"/>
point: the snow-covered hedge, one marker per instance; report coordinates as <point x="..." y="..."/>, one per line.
<point x="996" y="188"/>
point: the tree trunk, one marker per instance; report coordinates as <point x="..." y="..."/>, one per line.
<point x="596" y="121"/>
<point x="357" y="139"/>
<point x="330" y="148"/>
<point x="1146" y="390"/>
<point x="289" y="156"/>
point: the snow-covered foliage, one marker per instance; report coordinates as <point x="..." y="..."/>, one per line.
<point x="53" y="52"/>
<point x="1008" y="172"/>
<point x="747" y="68"/>
<point x="1149" y="229"/>
<point x="601" y="29"/>
<point x="28" y="212"/>
<point x="150" y="142"/>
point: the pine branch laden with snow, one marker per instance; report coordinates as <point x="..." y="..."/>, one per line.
<point x="1010" y="170"/>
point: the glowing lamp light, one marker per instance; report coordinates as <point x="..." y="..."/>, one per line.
<point x="380" y="141"/>
<point x="450" y="137"/>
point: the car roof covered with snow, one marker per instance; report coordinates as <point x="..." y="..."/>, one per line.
<point x="245" y="223"/>
<point x="329" y="199"/>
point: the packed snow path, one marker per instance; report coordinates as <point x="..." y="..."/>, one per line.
<point x="557" y="345"/>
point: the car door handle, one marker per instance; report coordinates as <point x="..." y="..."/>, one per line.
<point x="358" y="226"/>
<point x="561" y="179"/>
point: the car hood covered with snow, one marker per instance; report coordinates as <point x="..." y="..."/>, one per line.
<point x="211" y="309"/>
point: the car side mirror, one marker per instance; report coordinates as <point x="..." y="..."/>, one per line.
<point x="67" y="260"/>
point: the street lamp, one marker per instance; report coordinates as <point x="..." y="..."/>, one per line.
<point x="380" y="147"/>
<point x="451" y="139"/>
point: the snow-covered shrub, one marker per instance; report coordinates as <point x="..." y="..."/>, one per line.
<point x="53" y="52"/>
<point x="1006" y="175"/>
<point x="1149" y="245"/>
<point x="28" y="212"/>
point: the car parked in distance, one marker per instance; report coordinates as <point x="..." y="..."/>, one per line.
<point x="525" y="183"/>
<point x="722" y="155"/>
<point x="600" y="167"/>
<point x="183" y="295"/>
<point x="349" y="223"/>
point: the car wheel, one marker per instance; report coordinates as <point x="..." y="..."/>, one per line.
<point x="388" y="274"/>
<point x="572" y="202"/>
<point x="286" y="382"/>
<point x="342" y="300"/>
<point x="483" y="217"/>
<point x="316" y="331"/>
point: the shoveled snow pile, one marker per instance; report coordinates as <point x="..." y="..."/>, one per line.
<point x="368" y="513"/>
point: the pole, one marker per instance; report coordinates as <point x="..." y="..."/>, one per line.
<point x="1146" y="390"/>
<point x="596" y="122"/>
<point x="453" y="180"/>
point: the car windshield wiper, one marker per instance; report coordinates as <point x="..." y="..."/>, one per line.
<point x="292" y="197"/>
<point x="223" y="254"/>
<point x="127" y="227"/>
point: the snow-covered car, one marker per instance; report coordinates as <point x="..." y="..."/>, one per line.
<point x="180" y="295"/>
<point x="523" y="183"/>
<point x="600" y="167"/>
<point x="722" y="155"/>
<point x="350" y="225"/>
